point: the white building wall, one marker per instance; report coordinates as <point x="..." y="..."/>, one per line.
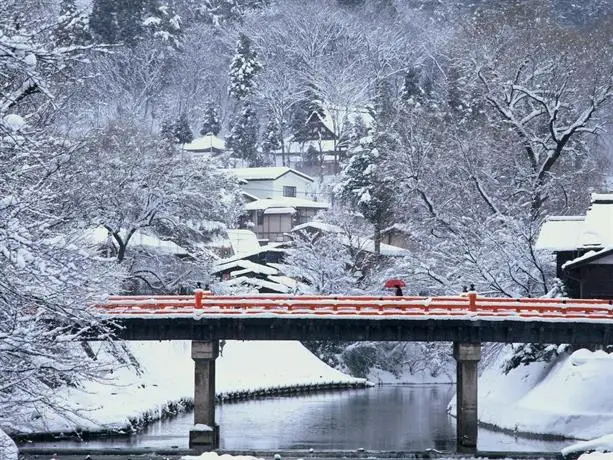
<point x="259" y="188"/>
<point x="303" y="186"/>
<point x="274" y="189"/>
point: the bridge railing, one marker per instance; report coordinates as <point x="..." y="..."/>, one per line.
<point x="451" y="306"/>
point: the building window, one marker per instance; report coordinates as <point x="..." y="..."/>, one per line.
<point x="289" y="191"/>
<point x="260" y="217"/>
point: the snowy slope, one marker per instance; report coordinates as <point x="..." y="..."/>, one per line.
<point x="569" y="397"/>
<point x="166" y="375"/>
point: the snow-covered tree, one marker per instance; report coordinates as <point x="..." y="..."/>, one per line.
<point x="72" y="25"/>
<point x="143" y="187"/>
<point x="243" y="138"/>
<point x="410" y="91"/>
<point x="368" y="184"/>
<point x="167" y="131"/>
<point x="271" y="139"/>
<point x="161" y="22"/>
<point x="243" y="69"/>
<point x="130" y="21"/>
<point x="182" y="132"/>
<point x="321" y="261"/>
<point x="49" y="278"/>
<point x="211" y="123"/>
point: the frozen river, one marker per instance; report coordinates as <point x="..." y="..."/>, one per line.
<point x="406" y="418"/>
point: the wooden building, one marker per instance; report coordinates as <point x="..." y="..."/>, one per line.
<point x="584" y="248"/>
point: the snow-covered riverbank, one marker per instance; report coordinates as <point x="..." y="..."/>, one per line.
<point x="165" y="375"/>
<point x="568" y="397"/>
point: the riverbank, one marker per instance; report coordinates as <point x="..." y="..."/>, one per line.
<point x="162" y="384"/>
<point x="567" y="398"/>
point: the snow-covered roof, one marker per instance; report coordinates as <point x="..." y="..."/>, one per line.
<point x="402" y="228"/>
<point x="560" y="233"/>
<point x="243" y="241"/>
<point x="285" y="202"/>
<point x="100" y="236"/>
<point x="245" y="266"/>
<point x="205" y="144"/>
<point x="279" y="211"/>
<point x="570" y="233"/>
<point x="266" y="173"/>
<point x="249" y="196"/>
<point x="270" y="247"/>
<point x="259" y="283"/>
<point x="285" y="280"/>
<point x="603" y="256"/>
<point x="324" y="227"/>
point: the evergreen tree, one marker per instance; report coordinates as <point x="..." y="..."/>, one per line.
<point x="271" y="140"/>
<point x="167" y="131"/>
<point x="182" y="132"/>
<point x="383" y="103"/>
<point x="211" y="124"/>
<point x="161" y="22"/>
<point x="243" y="69"/>
<point x="103" y="21"/>
<point x="129" y="21"/>
<point x="410" y="91"/>
<point x="367" y="185"/>
<point x="243" y="138"/>
<point x="72" y="25"/>
<point x="303" y="109"/>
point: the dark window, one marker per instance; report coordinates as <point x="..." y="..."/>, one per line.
<point x="289" y="191"/>
<point x="260" y="216"/>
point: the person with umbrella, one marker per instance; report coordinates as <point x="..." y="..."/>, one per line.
<point x="395" y="284"/>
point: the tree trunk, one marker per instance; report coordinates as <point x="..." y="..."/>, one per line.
<point x="377" y="238"/>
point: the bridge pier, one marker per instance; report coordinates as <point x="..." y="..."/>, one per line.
<point x="467" y="356"/>
<point x="205" y="433"/>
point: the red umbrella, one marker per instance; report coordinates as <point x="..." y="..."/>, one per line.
<point x="395" y="283"/>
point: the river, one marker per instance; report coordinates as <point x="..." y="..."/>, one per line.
<point x="408" y="418"/>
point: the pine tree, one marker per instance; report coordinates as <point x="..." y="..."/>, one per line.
<point x="367" y="185"/>
<point x="161" y="22"/>
<point x="303" y="109"/>
<point x="243" y="138"/>
<point x="271" y="140"/>
<point x="167" y="131"/>
<point x="182" y="132"/>
<point x="243" y="69"/>
<point x="103" y="21"/>
<point x="211" y="124"/>
<point x="72" y="25"/>
<point x="129" y="21"/>
<point x="384" y="103"/>
<point x="410" y="91"/>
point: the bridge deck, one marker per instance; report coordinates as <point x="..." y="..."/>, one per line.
<point x="276" y="317"/>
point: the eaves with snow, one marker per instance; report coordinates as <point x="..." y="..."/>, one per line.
<point x="591" y="236"/>
<point x="208" y="143"/>
<point x="266" y="173"/>
<point x="284" y="203"/>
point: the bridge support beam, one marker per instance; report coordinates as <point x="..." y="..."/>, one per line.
<point x="205" y="433"/>
<point x="467" y="356"/>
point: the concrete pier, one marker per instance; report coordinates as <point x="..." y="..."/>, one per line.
<point x="467" y="356"/>
<point x="205" y="433"/>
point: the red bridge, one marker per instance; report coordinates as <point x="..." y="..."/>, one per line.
<point x="466" y="320"/>
<point x="204" y="304"/>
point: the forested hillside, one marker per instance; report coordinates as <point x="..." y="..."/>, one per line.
<point x="466" y="123"/>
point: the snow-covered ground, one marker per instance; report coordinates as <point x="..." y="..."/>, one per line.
<point x="569" y="397"/>
<point x="166" y="375"/>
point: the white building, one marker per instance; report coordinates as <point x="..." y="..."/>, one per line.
<point x="274" y="182"/>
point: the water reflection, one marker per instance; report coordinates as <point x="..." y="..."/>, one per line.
<point x="379" y="418"/>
